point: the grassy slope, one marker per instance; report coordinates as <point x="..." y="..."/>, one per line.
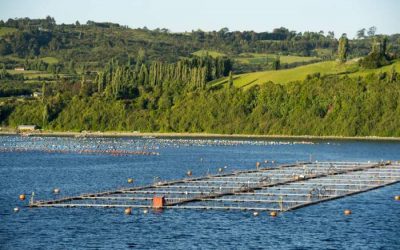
<point x="256" y="58"/>
<point x="300" y="73"/>
<point x="209" y="52"/>
<point x="31" y="74"/>
<point x="386" y="68"/>
<point x="49" y="60"/>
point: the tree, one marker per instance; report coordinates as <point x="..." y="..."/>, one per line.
<point x="378" y="56"/>
<point x="230" y="79"/>
<point x="43" y="92"/>
<point x="45" y="115"/>
<point x="71" y="67"/>
<point x="141" y="55"/>
<point x="277" y="63"/>
<point x="371" y="31"/>
<point x="343" y="48"/>
<point x="85" y="89"/>
<point x="393" y="74"/>
<point x="361" y="33"/>
<point x="5" y="48"/>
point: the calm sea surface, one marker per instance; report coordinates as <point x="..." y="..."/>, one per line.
<point x="35" y="164"/>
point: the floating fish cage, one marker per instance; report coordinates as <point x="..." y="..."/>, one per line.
<point x="276" y="189"/>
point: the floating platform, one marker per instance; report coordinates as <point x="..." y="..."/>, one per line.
<point x="280" y="188"/>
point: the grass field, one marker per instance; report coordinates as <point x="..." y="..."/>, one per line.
<point x="324" y="52"/>
<point x="256" y="58"/>
<point x="300" y="73"/>
<point x="386" y="68"/>
<point x="211" y="53"/>
<point x="31" y="74"/>
<point x="6" y="30"/>
<point x="49" y="60"/>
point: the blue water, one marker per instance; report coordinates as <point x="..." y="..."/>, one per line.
<point x="374" y="224"/>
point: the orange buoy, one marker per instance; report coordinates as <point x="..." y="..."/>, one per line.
<point x="22" y="197"/>
<point x="130" y="180"/>
<point x="258" y="164"/>
<point x="128" y="211"/>
<point x="273" y="214"/>
<point x="347" y="212"/>
<point x="397" y="197"/>
<point x="189" y="173"/>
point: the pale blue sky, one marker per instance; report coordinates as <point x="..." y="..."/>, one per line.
<point x="341" y="16"/>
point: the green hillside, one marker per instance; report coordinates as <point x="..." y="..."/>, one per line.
<point x="300" y="73"/>
<point x="259" y="58"/>
<point x="211" y="53"/>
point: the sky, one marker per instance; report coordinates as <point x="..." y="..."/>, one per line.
<point x="340" y="16"/>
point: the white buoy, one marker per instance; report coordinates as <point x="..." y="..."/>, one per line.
<point x="145" y="211"/>
<point x="255" y="213"/>
<point x="56" y="191"/>
<point x="16" y="209"/>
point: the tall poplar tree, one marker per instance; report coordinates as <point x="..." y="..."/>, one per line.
<point x="343" y="48"/>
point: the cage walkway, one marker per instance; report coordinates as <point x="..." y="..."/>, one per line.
<point x="282" y="188"/>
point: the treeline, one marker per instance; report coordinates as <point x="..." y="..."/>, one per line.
<point x="329" y="105"/>
<point x="125" y="81"/>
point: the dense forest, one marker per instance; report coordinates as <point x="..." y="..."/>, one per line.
<point x="107" y="77"/>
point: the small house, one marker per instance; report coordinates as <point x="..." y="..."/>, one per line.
<point x="19" y="69"/>
<point x="23" y="128"/>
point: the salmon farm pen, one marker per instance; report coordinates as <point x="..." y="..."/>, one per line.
<point x="275" y="189"/>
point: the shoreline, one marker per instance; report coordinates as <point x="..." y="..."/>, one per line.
<point x="194" y="135"/>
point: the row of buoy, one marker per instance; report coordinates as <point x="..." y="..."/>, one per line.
<point x="216" y="142"/>
<point x="189" y="173"/>
<point x="84" y="151"/>
<point x="272" y="213"/>
<point x="258" y="164"/>
<point x="22" y="197"/>
<point x="128" y="211"/>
